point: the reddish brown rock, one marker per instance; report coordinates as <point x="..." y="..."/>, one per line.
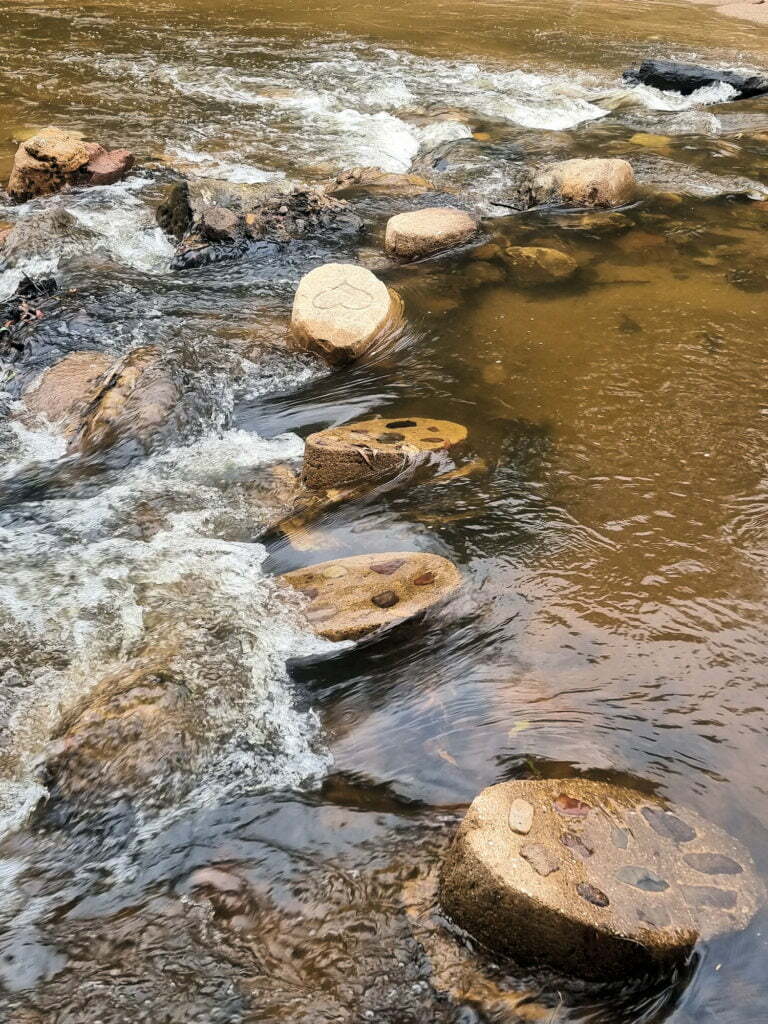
<point x="105" y="168"/>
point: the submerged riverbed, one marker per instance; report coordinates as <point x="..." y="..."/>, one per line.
<point x="611" y="526"/>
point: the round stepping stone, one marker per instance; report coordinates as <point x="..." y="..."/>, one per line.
<point x="341" y="310"/>
<point x="601" y="882"/>
<point x="428" y="231"/>
<point x="371" y="448"/>
<point x="350" y="597"/>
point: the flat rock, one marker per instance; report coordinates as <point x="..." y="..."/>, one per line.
<point x="55" y="398"/>
<point x="582" y="183"/>
<point x="351" y="597"/>
<point x="376" y="181"/>
<point x="371" y="448"/>
<point x="132" y="401"/>
<point x="537" y="265"/>
<point x="423" y="232"/>
<point x="606" y="881"/>
<point x="340" y="311"/>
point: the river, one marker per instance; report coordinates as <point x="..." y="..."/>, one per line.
<point x="612" y="536"/>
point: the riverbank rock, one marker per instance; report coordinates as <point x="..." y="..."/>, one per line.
<point x="372" y="448"/>
<point x="54" y="159"/>
<point x="55" y="398"/>
<point x="351" y="597"/>
<point x="132" y="401"/>
<point x="595" y="880"/>
<point x="424" y="232"/>
<point x="582" y="183"/>
<point x="130" y="735"/>
<point x="535" y="265"/>
<point x="671" y="76"/>
<point x="376" y="181"/>
<point x="340" y="311"/>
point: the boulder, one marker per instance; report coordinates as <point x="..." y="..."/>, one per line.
<point x="424" y="232"/>
<point x="56" y="397"/>
<point x="592" y="879"/>
<point x="582" y="183"/>
<point x="371" y="448"/>
<point x="46" y="163"/>
<point x="106" y="168"/>
<point x="132" y="401"/>
<point x="535" y="265"/>
<point x="218" y="224"/>
<point x="351" y="597"/>
<point x="687" y="78"/>
<point x="131" y="734"/>
<point x="340" y="311"/>
<point x="376" y="181"/>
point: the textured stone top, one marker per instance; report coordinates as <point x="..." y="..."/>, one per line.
<point x="426" y="231"/>
<point x="351" y="597"/>
<point x="340" y="309"/>
<point x="594" y="866"/>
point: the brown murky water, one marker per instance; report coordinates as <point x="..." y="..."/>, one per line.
<point x="613" y="531"/>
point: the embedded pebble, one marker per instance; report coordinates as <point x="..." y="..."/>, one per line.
<point x="541" y="859"/>
<point x="521" y="817"/>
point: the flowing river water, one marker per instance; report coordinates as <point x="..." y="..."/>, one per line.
<point x="612" y="532"/>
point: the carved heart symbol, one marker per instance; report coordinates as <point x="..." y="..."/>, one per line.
<point x="342" y="296"/>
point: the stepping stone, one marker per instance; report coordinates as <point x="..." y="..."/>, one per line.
<point x="535" y="265"/>
<point x="428" y="231"/>
<point x="340" y="311"/>
<point x="595" y="880"/>
<point x="351" y="597"/>
<point x="371" y="448"/>
<point x="584" y="183"/>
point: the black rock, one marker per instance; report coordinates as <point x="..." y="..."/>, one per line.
<point x="687" y="78"/>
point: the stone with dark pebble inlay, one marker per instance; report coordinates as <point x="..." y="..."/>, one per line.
<point x="713" y="864"/>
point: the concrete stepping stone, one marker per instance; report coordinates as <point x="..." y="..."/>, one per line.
<point x="341" y="310"/>
<point x="595" y="182"/>
<point x="351" y="597"/>
<point x="368" y="449"/>
<point x="595" y="880"/>
<point x="424" y="232"/>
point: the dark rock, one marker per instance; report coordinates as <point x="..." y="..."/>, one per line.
<point x="174" y="214"/>
<point x="218" y="224"/>
<point x="26" y="306"/>
<point x="687" y="78"/>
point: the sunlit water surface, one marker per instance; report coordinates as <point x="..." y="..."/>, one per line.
<point x="613" y="536"/>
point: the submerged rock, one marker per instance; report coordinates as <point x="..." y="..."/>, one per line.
<point x="687" y="78"/>
<point x="54" y="159"/>
<point x="581" y="183"/>
<point x="132" y="733"/>
<point x="602" y="882"/>
<point x="371" y="448"/>
<point x="133" y="400"/>
<point x="351" y="597"/>
<point x="46" y="234"/>
<point x="24" y="309"/>
<point x="374" y="180"/>
<point x="423" y="232"/>
<point x="535" y="265"/>
<point x="58" y="394"/>
<point x="340" y="311"/>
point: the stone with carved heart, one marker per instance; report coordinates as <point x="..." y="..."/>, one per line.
<point x="341" y="311"/>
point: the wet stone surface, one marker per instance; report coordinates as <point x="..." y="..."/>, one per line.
<point x="593" y="879"/>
